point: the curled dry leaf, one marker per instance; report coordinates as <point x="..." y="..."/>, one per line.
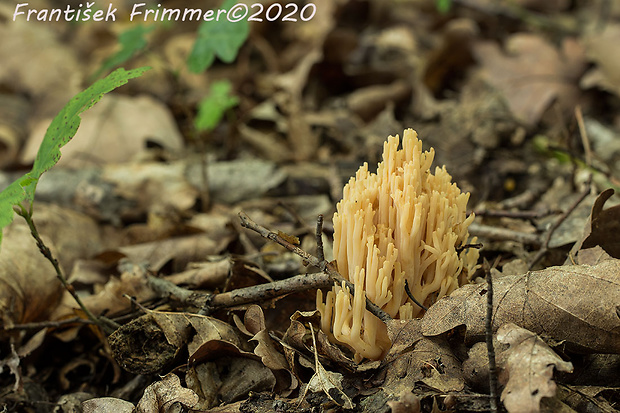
<point x="602" y="228"/>
<point x="298" y="336"/>
<point x="529" y="363"/>
<point x="149" y="183"/>
<point x="220" y="371"/>
<point x="369" y="101"/>
<point x="414" y="358"/>
<point x="575" y="304"/>
<point x="107" y="404"/>
<point x="254" y="321"/>
<point x="179" y="250"/>
<point x="150" y="343"/>
<point x="162" y="396"/>
<point x="532" y="73"/>
<point x="111" y="297"/>
<point x="29" y="289"/>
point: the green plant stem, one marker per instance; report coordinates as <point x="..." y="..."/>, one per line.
<point x="107" y="325"/>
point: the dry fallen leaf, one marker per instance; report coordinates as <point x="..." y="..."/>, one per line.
<point x="529" y="363"/>
<point x="162" y="396"/>
<point x="58" y="73"/>
<point x="107" y="404"/>
<point x="116" y="130"/>
<point x="180" y="251"/>
<point x="147" y="184"/>
<point x="602" y="228"/>
<point x="29" y="289"/>
<point x="601" y="47"/>
<point x="15" y="111"/>
<point x="254" y="322"/>
<point x="12" y="360"/>
<point x="203" y="274"/>
<point x="238" y="180"/>
<point x="327" y="382"/>
<point x="111" y="297"/>
<point x="150" y="343"/>
<point x="221" y="371"/>
<point x="414" y="358"/>
<point x="74" y="235"/>
<point x="531" y="73"/>
<point x="575" y="304"/>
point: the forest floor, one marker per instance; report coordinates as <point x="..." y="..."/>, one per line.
<point x="519" y="100"/>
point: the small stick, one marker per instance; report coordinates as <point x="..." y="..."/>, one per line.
<point x="584" y="136"/>
<point x="514" y="214"/>
<point x="47" y="324"/>
<point x="463" y="247"/>
<point x="246" y="222"/>
<point x="312" y="260"/>
<point x="408" y="291"/>
<point x="503" y="234"/>
<point x="319" y="238"/>
<point x="268" y="291"/>
<point x="210" y="302"/>
<point x="488" y="325"/>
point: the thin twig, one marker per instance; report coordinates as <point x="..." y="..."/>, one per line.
<point x="319" y="238"/>
<point x="106" y="324"/>
<point x="48" y="324"/>
<point x="271" y="290"/>
<point x="322" y="265"/>
<point x="461" y="248"/>
<point x="503" y="234"/>
<point x="246" y="222"/>
<point x="545" y="247"/>
<point x="493" y="391"/>
<point x="515" y="214"/>
<point x="408" y="291"/>
<point x="584" y="136"/>
<point x="295" y="215"/>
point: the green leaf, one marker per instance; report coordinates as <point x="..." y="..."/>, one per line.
<point x="132" y="41"/>
<point x="443" y="6"/>
<point x="213" y="107"/>
<point x="61" y="130"/>
<point x="14" y="194"/>
<point x="218" y="38"/>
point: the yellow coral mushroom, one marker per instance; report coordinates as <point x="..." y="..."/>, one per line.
<point x="402" y="223"/>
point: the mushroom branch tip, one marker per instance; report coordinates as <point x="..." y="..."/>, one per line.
<point x="404" y="223"/>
